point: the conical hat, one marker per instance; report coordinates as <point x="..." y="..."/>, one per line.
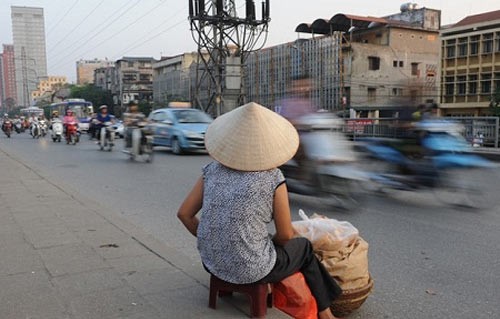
<point x="251" y="138"/>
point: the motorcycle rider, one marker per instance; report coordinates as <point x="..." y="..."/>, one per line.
<point x="132" y="119"/>
<point x="69" y="118"/>
<point x="102" y="117"/>
<point x="4" y="119"/>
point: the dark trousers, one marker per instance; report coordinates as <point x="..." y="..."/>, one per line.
<point x="298" y="255"/>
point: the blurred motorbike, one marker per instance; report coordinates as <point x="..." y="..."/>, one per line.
<point x="72" y="133"/>
<point x="7" y="127"/>
<point x="142" y="143"/>
<point x="57" y="130"/>
<point x="107" y="136"/>
<point x="35" y="130"/>
<point x="43" y="127"/>
<point x="326" y="162"/>
<point x="437" y="159"/>
<point x="18" y="126"/>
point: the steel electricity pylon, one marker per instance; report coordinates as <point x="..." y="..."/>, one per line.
<point x="224" y="40"/>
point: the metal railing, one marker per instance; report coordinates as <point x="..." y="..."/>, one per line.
<point x="482" y="130"/>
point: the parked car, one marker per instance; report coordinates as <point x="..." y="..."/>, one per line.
<point x="181" y="129"/>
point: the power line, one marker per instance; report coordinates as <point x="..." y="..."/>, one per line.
<point x="88" y="15"/>
<point x="63" y="16"/>
<point x="98" y="27"/>
<point x="113" y="35"/>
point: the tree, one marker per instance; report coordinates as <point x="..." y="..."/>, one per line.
<point x="93" y="94"/>
<point x="495" y="103"/>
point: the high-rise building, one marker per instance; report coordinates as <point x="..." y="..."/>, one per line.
<point x="8" y="75"/>
<point x="85" y="69"/>
<point x="28" y="31"/>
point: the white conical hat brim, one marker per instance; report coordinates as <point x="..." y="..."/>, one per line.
<point x="251" y="138"/>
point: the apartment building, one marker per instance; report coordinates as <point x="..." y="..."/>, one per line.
<point x="28" y="32"/>
<point x="134" y="80"/>
<point x="8" y="77"/>
<point x="470" y="65"/>
<point x="47" y="88"/>
<point x="371" y="65"/>
<point x="85" y="69"/>
<point x="105" y="78"/>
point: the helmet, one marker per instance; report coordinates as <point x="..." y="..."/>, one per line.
<point x="6" y="115"/>
<point x="103" y="107"/>
<point x="55" y="112"/>
<point x="69" y="111"/>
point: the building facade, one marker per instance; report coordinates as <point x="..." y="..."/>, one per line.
<point x="134" y="80"/>
<point x="105" y="78"/>
<point x="470" y="65"/>
<point x="85" y="70"/>
<point x="373" y="66"/>
<point x="47" y="88"/>
<point x="8" y="78"/>
<point x="28" y="30"/>
<point x="173" y="78"/>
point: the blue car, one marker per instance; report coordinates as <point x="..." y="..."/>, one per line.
<point x="181" y="129"/>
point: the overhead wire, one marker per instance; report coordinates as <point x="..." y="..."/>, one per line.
<point x="62" y="18"/>
<point x="61" y="61"/>
<point x="99" y="29"/>
<point x="79" y="24"/>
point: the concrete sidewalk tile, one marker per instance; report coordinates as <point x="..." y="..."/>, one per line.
<point x="133" y="264"/>
<point x="126" y="248"/>
<point x="102" y="233"/>
<point x="49" y="235"/>
<point x="71" y="259"/>
<point x="115" y="303"/>
<point x="19" y="258"/>
<point x="10" y="234"/>
<point x="30" y="295"/>
<point x="192" y="302"/>
<point x="159" y="281"/>
<point x="35" y="217"/>
<point x="73" y="285"/>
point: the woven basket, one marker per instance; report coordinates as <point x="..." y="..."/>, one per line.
<point x="351" y="300"/>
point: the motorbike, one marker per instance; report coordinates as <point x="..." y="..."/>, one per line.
<point x="18" y="126"/>
<point x="35" y="130"/>
<point x="107" y="137"/>
<point x="326" y="162"/>
<point x="72" y="133"/>
<point x="43" y="127"/>
<point x="438" y="158"/>
<point x="7" y="127"/>
<point x="57" y="130"/>
<point x="142" y="144"/>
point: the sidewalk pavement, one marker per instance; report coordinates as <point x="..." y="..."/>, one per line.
<point x="65" y="256"/>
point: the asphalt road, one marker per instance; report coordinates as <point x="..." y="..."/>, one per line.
<point x="428" y="260"/>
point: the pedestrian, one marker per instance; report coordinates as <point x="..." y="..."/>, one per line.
<point x="243" y="191"/>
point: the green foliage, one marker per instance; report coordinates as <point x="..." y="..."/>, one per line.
<point x="145" y="107"/>
<point x="495" y="103"/>
<point x="93" y="94"/>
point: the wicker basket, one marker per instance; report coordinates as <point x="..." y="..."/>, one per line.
<point x="351" y="300"/>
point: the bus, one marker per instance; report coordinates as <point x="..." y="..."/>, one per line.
<point x="82" y="109"/>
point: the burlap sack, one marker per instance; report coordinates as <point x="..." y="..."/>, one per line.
<point x="349" y="265"/>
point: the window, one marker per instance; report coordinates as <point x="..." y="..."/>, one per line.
<point x="462" y="47"/>
<point x="373" y="63"/>
<point x="414" y="68"/>
<point x="488" y="43"/>
<point x="372" y="94"/>
<point x="395" y="63"/>
<point x="474" y="45"/>
<point x="448" y="87"/>
<point x="397" y="92"/>
<point x="461" y="85"/>
<point x="497" y="43"/>
<point x="450" y="52"/>
<point x="401" y="64"/>
<point x="485" y="83"/>
<point x="473" y="84"/>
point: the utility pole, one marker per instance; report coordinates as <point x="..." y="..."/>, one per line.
<point x="224" y="41"/>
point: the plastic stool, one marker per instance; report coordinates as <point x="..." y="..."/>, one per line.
<point x="260" y="295"/>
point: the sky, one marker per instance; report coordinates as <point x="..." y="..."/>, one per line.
<point x="89" y="29"/>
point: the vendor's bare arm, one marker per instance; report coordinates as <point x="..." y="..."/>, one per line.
<point x="282" y="218"/>
<point x="191" y="206"/>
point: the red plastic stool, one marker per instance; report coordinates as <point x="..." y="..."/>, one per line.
<point x="260" y="295"/>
